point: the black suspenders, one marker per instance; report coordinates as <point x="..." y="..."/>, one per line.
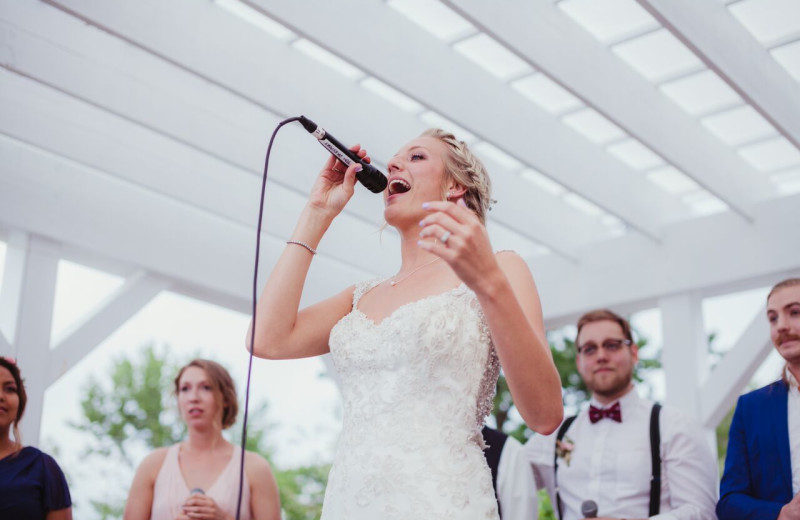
<point x="655" y="459"/>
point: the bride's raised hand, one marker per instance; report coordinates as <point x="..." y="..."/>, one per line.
<point x="461" y="240"/>
<point x="336" y="183"/>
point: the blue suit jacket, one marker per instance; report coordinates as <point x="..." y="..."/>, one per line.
<point x="757" y="481"/>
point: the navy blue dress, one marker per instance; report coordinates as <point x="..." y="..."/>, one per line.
<point x="31" y="485"/>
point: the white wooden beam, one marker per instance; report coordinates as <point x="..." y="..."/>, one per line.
<point x="514" y="124"/>
<point x="5" y="346"/>
<point x="48" y="119"/>
<point x="685" y="350"/>
<point x="726" y="46"/>
<point x="12" y="284"/>
<point x="143" y="228"/>
<point x="735" y="370"/>
<point x="716" y="254"/>
<point x="572" y="160"/>
<point x="113" y="312"/>
<point x="33" y="315"/>
<point x="586" y="68"/>
<point x="230" y="127"/>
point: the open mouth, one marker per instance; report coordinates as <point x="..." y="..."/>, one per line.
<point x="398" y="186"/>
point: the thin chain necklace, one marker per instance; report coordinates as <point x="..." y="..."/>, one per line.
<point x="426" y="264"/>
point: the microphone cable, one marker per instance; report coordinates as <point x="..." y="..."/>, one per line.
<point x="255" y="301"/>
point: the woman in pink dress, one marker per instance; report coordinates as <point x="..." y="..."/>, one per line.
<point x="199" y="477"/>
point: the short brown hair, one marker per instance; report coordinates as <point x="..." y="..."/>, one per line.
<point x="12" y="367"/>
<point x="605" y="315"/>
<point x="789" y="282"/>
<point x="221" y="382"/>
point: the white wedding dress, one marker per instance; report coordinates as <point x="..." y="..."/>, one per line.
<point x="416" y="389"/>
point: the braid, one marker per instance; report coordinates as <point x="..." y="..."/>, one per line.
<point x="467" y="170"/>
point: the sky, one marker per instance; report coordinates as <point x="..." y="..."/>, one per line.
<point x="304" y="407"/>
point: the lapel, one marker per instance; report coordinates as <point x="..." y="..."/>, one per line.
<point x="778" y="401"/>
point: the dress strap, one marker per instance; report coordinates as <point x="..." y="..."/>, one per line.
<point x="363" y="287"/>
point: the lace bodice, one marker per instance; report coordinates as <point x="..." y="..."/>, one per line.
<point x="416" y="389"/>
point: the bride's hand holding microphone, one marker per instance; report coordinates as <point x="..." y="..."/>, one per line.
<point x="336" y="184"/>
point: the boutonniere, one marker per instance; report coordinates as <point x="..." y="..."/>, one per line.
<point x="564" y="449"/>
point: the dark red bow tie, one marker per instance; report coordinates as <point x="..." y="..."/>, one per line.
<point x="595" y="414"/>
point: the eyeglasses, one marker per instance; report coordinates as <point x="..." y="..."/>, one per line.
<point x="610" y="345"/>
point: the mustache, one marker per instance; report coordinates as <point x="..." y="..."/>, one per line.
<point x="787" y="336"/>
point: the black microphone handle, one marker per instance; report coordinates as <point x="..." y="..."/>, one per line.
<point x="369" y="176"/>
<point x="589" y="509"/>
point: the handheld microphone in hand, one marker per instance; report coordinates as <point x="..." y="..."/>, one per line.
<point x="369" y="175"/>
<point x="589" y="509"/>
<point x="197" y="491"/>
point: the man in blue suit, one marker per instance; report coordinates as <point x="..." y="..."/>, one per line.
<point x="762" y="468"/>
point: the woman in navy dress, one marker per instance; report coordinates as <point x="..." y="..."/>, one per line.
<point x="32" y="486"/>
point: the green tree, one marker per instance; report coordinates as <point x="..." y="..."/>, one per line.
<point x="134" y="413"/>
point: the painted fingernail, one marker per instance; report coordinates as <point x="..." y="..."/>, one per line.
<point x="425" y="205"/>
<point x="359" y="167"/>
<point x="421" y="223"/>
<point x="461" y="201"/>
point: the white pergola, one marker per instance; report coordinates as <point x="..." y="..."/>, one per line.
<point x="644" y="153"/>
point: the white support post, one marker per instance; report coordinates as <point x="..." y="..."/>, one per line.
<point x="29" y="288"/>
<point x="734" y="371"/>
<point x="685" y="350"/>
<point x="5" y="346"/>
<point x="685" y="354"/>
<point x="112" y="313"/>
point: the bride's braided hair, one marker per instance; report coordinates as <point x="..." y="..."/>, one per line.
<point x="467" y="170"/>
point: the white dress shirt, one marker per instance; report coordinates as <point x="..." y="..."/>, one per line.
<point x="794" y="430"/>
<point x="610" y="464"/>
<point x="516" y="489"/>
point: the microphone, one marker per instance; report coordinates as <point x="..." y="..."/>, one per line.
<point x="196" y="491"/>
<point x="369" y="176"/>
<point x="589" y="509"/>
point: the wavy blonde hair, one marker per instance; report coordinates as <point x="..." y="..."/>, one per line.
<point x="462" y="166"/>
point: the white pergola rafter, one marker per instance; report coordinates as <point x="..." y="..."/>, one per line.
<point x="537" y="139"/>
<point x="586" y="67"/>
<point x="137" y="291"/>
<point x="156" y="110"/>
<point x="718" y="39"/>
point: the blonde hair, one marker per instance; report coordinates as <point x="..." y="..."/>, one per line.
<point x="462" y="166"/>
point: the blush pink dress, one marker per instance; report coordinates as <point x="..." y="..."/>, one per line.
<point x="170" y="490"/>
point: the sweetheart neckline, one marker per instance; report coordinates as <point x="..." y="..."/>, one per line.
<point x="388" y="317"/>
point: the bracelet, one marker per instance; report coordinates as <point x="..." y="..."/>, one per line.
<point x="303" y="244"/>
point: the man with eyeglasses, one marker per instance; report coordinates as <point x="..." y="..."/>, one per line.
<point x="600" y="463"/>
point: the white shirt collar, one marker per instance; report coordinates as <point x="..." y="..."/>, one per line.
<point x="792" y="380"/>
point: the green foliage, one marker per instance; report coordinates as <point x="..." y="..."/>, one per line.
<point x="132" y="412"/>
<point x="546" y="511"/>
<point x="302" y="491"/>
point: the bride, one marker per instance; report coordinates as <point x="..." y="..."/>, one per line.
<point x="418" y="353"/>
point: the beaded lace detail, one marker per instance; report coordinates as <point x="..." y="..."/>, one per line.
<point x="416" y="389"/>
